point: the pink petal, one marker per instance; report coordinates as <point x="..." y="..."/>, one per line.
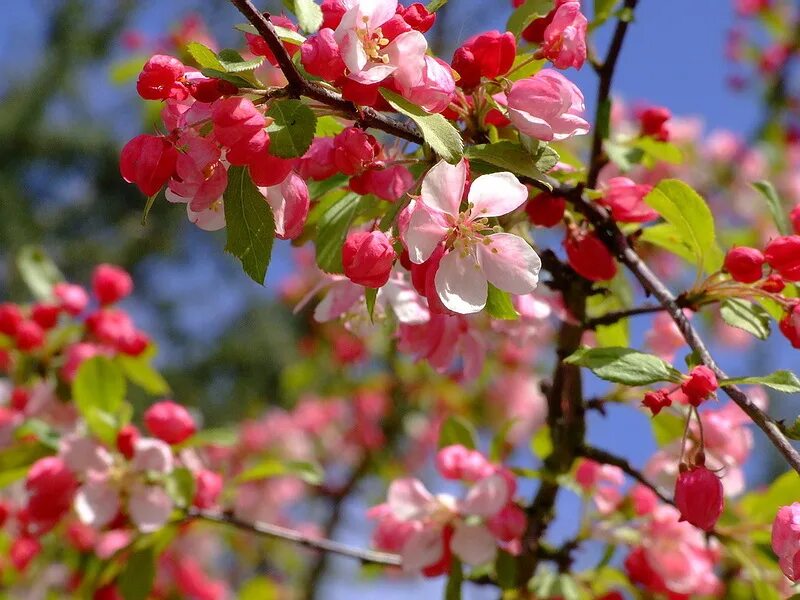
<point x="423" y="548"/>
<point x="443" y="187"/>
<point x="406" y="304"/>
<point x="487" y="497"/>
<point x="496" y="194"/>
<point x="149" y="507"/>
<point x="407" y="54"/>
<point x="473" y="544"/>
<point x="461" y="284"/>
<point x="151" y="454"/>
<point x="341" y="297"/>
<point x="509" y="263"/>
<point x="96" y="503"/>
<point x="409" y="499"/>
<point x="424" y="232"/>
<point x="209" y="219"/>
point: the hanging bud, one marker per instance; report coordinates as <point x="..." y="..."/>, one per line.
<point x="790" y="326"/>
<point x="657" y="400"/>
<point x="700" y="385"/>
<point x="745" y="264"/>
<point x="783" y="255"/>
<point x="589" y="257"/>
<point x="698" y="495"/>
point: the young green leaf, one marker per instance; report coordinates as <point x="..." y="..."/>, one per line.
<point x="507" y="156"/>
<point x="435" y="5"/>
<point x="775" y="206"/>
<point x="439" y="134"/>
<point x="99" y="393"/>
<point x="457" y="430"/>
<point x="38" y="271"/>
<point x="308" y="13"/>
<point x="624" y="365"/>
<point x="139" y="371"/>
<point x="137" y="577"/>
<point x="249" y="224"/>
<point x="371" y="295"/>
<point x="746" y="316"/>
<point x="204" y="56"/>
<point x="233" y="62"/>
<point x="658" y="151"/>
<point x="311" y="473"/>
<point x="332" y="230"/>
<point x="782" y="381"/>
<point x="292" y="130"/>
<point x="500" y="306"/>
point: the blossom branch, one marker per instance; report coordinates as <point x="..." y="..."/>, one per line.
<point x="606" y="458"/>
<point x="300" y="86"/>
<point x="292" y="535"/>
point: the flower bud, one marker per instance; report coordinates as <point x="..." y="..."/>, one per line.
<point x="209" y="90"/>
<point x="698" y="495"/>
<point x="795" y="217"/>
<point x="259" y="46"/>
<point x="389" y="184"/>
<point x="436" y="89"/>
<point x="45" y="315"/>
<point x="701" y="384"/>
<point x="169" y="421"/>
<point x="418" y="17"/>
<point x="590" y="258"/>
<point x="159" y="79"/>
<point x="643" y="499"/>
<point x="111" y="284"/>
<point x="355" y="150"/>
<point x="509" y="524"/>
<point x="654" y="120"/>
<point x="29" y="336"/>
<point x="488" y="54"/>
<point x="745" y="264"/>
<point x="268" y="170"/>
<point x="321" y="56"/>
<point x="23" y="550"/>
<point x="564" y="38"/>
<point x="10" y="318"/>
<point x="368" y="258"/>
<point x="148" y="161"/>
<point x="773" y="284"/>
<point x="19" y="398"/>
<point x="786" y="539"/>
<point x="657" y="400"/>
<point x="783" y="255"/>
<point x="317" y="163"/>
<point x="50" y="486"/>
<point x="236" y="120"/>
<point x="126" y="440"/>
<point x="625" y="199"/>
<point x="72" y="298"/>
<point x="790" y="326"/>
<point x="289" y="202"/>
<point x="208" y="486"/>
<point x="332" y="13"/>
<point x="547" y="107"/>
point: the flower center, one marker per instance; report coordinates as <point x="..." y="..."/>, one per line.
<point x="373" y="43"/>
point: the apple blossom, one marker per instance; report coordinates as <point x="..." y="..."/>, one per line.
<point x="489" y="54"/>
<point x="625" y="199"/>
<point x="786" y="540"/>
<point x="783" y="255"/>
<point x="368" y="258"/>
<point x="564" y="38"/>
<point x="148" y="161"/>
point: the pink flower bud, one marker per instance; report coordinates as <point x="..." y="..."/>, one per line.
<point x="236" y="120"/>
<point x="389" y="184"/>
<point x="749" y="8"/>
<point x="23" y="550"/>
<point x="72" y="298"/>
<point x="159" y="79"/>
<point x="320" y="56"/>
<point x="790" y="326"/>
<point x="643" y="499"/>
<point x="564" y="42"/>
<point x="436" y="89"/>
<point x="19" y="399"/>
<point x="698" y="495"/>
<point x="268" y="170"/>
<point x="450" y="460"/>
<point x="29" y="336"/>
<point x="656" y="401"/>
<point x="169" y="421"/>
<point x="289" y="202"/>
<point x="509" y="524"/>
<point x="45" y="315"/>
<point x="783" y="255"/>
<point x="126" y="440"/>
<point x="355" y="150"/>
<point x="546" y="210"/>
<point x="774" y="284"/>
<point x="795" y="217"/>
<point x="111" y="283"/>
<point x="208" y="486"/>
<point x="148" y="161"/>
<point x="317" y="163"/>
<point x="625" y="199"/>
<point x="418" y="17"/>
<point x="368" y="258"/>
<point x="488" y="54"/>
<point x="700" y="385"/>
<point x="654" y="120"/>
<point x="259" y="47"/>
<point x="547" y="107"/>
<point x="332" y="13"/>
<point x="786" y="540"/>
<point x="590" y="258"/>
<point x="209" y="90"/>
<point x="10" y="318"/>
<point x="50" y="486"/>
<point x="745" y="264"/>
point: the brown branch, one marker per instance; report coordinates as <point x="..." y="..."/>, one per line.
<point x="612" y="317"/>
<point x="292" y="535"/>
<point x="299" y="86"/>
<point x="606" y="458"/>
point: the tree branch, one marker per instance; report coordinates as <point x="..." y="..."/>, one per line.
<point x="292" y="535"/>
<point x="606" y="458"/>
<point x="299" y="86"/>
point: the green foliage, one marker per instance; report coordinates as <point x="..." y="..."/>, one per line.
<point x="138" y="575"/>
<point x="311" y="473"/>
<point x="527" y="13"/>
<point x="775" y="206"/>
<point x="233" y="62"/>
<point x="204" y="56"/>
<point x="542" y="442"/>
<point x="624" y="365"/>
<point x="370" y="296"/>
<point x="508" y="156"/>
<point x="140" y="371"/>
<point x="308" y="13"/>
<point x="457" y="430"/>
<point x="38" y="271"/>
<point x="332" y="230"/>
<point x="654" y="151"/>
<point x="99" y="393"/>
<point x="667" y="427"/>
<point x="259" y="588"/>
<point x="17" y="459"/>
<point x="500" y="306"/>
<point x="435" y="5"/>
<point x="603" y="10"/>
<point x="292" y="130"/>
<point x="180" y="485"/>
<point x="250" y="226"/>
<point x="782" y="381"/>
<point x="746" y="316"/>
<point x="759" y="507"/>
<point x="691" y="220"/>
<point x="438" y="132"/>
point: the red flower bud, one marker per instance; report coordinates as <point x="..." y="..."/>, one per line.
<point x="774" y="284"/>
<point x="148" y="161"/>
<point x="50" y="486"/>
<point x="10" y="318"/>
<point x="700" y="385"/>
<point x="790" y="326"/>
<point x="546" y="210"/>
<point x="45" y="315"/>
<point x="320" y="56"/>
<point x="332" y="13"/>
<point x="654" y="120"/>
<point x="389" y="184"/>
<point x="783" y="255"/>
<point x="19" y="398"/>
<point x="259" y="46"/>
<point x="159" y="79"/>
<point x="72" y="298"/>
<point x="236" y="120"/>
<point x="111" y="284"/>
<point x="488" y="54"/>
<point x="368" y="258"/>
<point x="355" y="150"/>
<point x="590" y="258"/>
<point x="418" y="17"/>
<point x="208" y="486"/>
<point x="795" y="217"/>
<point x="657" y="400"/>
<point x="209" y="90"/>
<point x="745" y="264"/>
<point x="169" y="421"/>
<point x="268" y="170"/>
<point x="29" y="336"/>
<point x="23" y="550"/>
<point x="126" y="440"/>
<point x="698" y="495"/>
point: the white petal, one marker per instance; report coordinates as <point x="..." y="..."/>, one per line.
<point x="96" y="503"/>
<point x="149" y="507"/>
<point x="407" y="305"/>
<point x="409" y="499"/>
<point x="509" y="263"/>
<point x="151" y="454"/>
<point x="473" y="544"/>
<point x="209" y="219"/>
<point x="339" y="300"/>
<point x="487" y="497"/>
<point x="425" y="230"/>
<point x="423" y="548"/>
<point x="461" y="284"/>
<point x="496" y="194"/>
<point x="377" y="12"/>
<point x="372" y="73"/>
<point x="443" y="187"/>
<point x="353" y="54"/>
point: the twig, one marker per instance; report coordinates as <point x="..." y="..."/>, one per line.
<point x="292" y="535"/>
<point x="612" y="317"/>
<point x="300" y="86"/>
<point x="607" y="458"/>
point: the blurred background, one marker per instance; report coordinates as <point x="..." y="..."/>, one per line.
<point x="69" y="104"/>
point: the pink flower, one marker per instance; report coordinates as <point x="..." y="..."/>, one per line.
<point x="489" y="54"/>
<point x="51" y="486"/>
<point x="159" y="78"/>
<point x="783" y="255"/>
<point x="239" y="126"/>
<point x="547" y="107"/>
<point x="318" y="162"/>
<point x="148" y="161"/>
<point x="289" y="202"/>
<point x="459" y="462"/>
<point x="200" y="177"/>
<point x="368" y="55"/>
<point x="208" y="487"/>
<point x="169" y="421"/>
<point x="700" y="385"/>
<point x="786" y="540"/>
<point x="389" y="183"/>
<point x="436" y="89"/>
<point x="355" y="150"/>
<point x="208" y="219"/>
<point x="565" y="37"/>
<point x="368" y="258"/>
<point x="664" y="338"/>
<point x="603" y="481"/>
<point x="321" y="56"/>
<point x="625" y="198"/>
<point x="474" y="259"/>
<point x="72" y="298"/>
<point x="790" y="325"/>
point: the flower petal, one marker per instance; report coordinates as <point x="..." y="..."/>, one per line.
<point x="473" y="544"/>
<point x="423" y="548"/>
<point x="406" y="304"/>
<point x="96" y="503"/>
<point x="424" y="232"/>
<point x="509" y="263"/>
<point x="487" y="497"/>
<point x="409" y="499"/>
<point x="407" y="54"/>
<point x="461" y="284"/>
<point x="149" y="507"/>
<point x="496" y="194"/>
<point x="443" y="187"/>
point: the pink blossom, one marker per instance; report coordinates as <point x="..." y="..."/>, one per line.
<point x="565" y="37"/>
<point x="289" y="202"/>
<point x="625" y="198"/>
<point x="664" y="338"/>
<point x="602" y="481"/>
<point x="436" y="89"/>
<point x="208" y="219"/>
<point x="786" y="540"/>
<point x="149" y="506"/>
<point x="148" y="161"/>
<point x="321" y="56"/>
<point x="390" y="183"/>
<point x="474" y="260"/>
<point x="111" y="283"/>
<point x="318" y="161"/>
<point x="200" y="176"/>
<point x="547" y="107"/>
<point x="72" y="298"/>
<point x="169" y="421"/>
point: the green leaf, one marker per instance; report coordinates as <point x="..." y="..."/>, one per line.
<point x="666" y="236"/>
<point x="689" y="214"/>
<point x="123" y="71"/>
<point x="15" y="460"/>
<point x="508" y="156"/>
<point x="38" y="271"/>
<point x="624" y="365"/>
<point x="775" y="206"/>
<point x="259" y="588"/>
<point x="371" y="295"/>
<point x="603" y="10"/>
<point x="506" y="569"/>
<point x="285" y="35"/>
<point x="139" y="371"/>
<point x="328" y="126"/>
<point x="667" y="428"/>
<point x="237" y="80"/>
<point x="439" y="133"/>
<point x="604" y="119"/>
<point x="271" y="467"/>
<point x="292" y="130"/>
<point x="249" y="224"/>
<point x="232" y="61"/>
<point x="219" y="436"/>
<point x="332" y="230"/>
<point x="759" y="506"/>
<point x="180" y="485"/>
<point x="527" y="13"/>
<point x="136" y="580"/>
<point x="308" y="13"/>
<point x="782" y="381"/>
<point x="542" y="443"/>
<point x="457" y="430"/>
<point x="659" y="151"/>
<point x="454" y="582"/>
<point x="746" y="316"/>
<point x="500" y="306"/>
<point x="435" y="5"/>
<point x="204" y="56"/>
<point x="99" y="393"/>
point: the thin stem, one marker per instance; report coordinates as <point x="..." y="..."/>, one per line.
<point x="607" y="458"/>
